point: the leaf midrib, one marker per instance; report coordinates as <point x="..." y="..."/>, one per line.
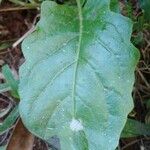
<point x="77" y="56"/>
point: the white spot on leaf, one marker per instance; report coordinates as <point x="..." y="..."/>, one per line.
<point x="76" y="125"/>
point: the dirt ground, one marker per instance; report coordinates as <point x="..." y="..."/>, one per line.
<point x="15" y="22"/>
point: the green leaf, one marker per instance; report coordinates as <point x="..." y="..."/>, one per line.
<point x="114" y="6"/>
<point x="135" y="128"/>
<point x="4" y="45"/>
<point x="78" y="76"/>
<point x="10" y="80"/>
<point x="145" y="5"/>
<point x="10" y="120"/>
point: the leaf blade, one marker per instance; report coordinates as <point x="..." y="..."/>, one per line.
<point x="10" y="80"/>
<point x="98" y="87"/>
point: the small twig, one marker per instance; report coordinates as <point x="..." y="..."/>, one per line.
<point x="131" y="143"/>
<point x="32" y="29"/>
<point x="16" y="9"/>
<point x="2" y="53"/>
<point x="143" y="78"/>
<point x="8" y="97"/>
<point x="4" y="138"/>
<point x="24" y="36"/>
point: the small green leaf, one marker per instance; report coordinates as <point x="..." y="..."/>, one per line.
<point x="4" y="45"/>
<point x="10" y="80"/>
<point x="129" y="9"/>
<point x="145" y="5"/>
<point x="78" y="76"/>
<point x="10" y="120"/>
<point x="135" y="128"/>
<point x="114" y="6"/>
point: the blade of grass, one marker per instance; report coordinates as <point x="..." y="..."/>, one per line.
<point x="10" y="80"/>
<point x="4" y="87"/>
<point x="10" y="120"/>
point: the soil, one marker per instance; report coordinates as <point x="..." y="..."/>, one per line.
<point x="14" y="23"/>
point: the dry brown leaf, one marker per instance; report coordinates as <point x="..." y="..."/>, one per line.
<point x="21" y="138"/>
